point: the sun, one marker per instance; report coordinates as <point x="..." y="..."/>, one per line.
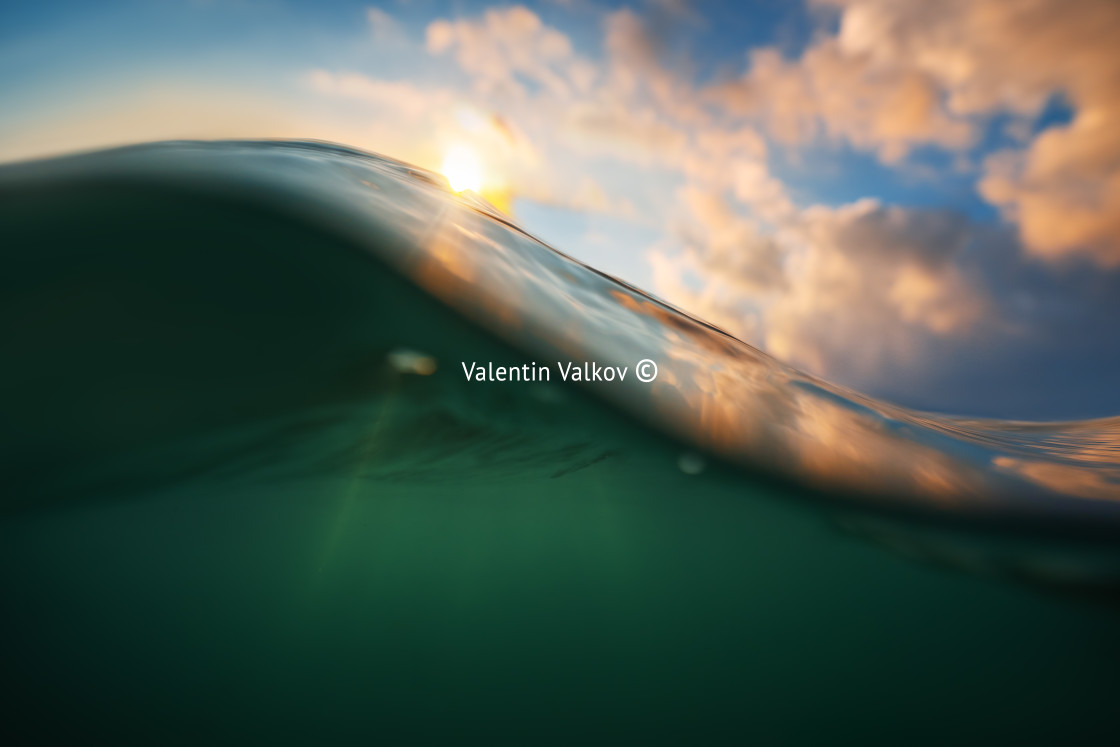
<point x="462" y="169"/>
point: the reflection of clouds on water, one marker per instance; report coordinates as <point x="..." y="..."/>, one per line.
<point x="1101" y="483"/>
<point x="739" y="403"/>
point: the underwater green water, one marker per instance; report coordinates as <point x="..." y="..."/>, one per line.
<point x="232" y="514"/>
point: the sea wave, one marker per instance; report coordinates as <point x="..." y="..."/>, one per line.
<point x="163" y="289"/>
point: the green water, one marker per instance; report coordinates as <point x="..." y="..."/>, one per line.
<point x="229" y="517"/>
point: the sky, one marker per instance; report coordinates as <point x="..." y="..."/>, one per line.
<point x="918" y="200"/>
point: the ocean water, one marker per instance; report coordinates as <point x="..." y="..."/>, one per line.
<point x="249" y="494"/>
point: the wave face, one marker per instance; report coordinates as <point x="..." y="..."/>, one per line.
<point x="248" y="487"/>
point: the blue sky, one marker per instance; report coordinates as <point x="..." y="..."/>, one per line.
<point x="921" y="201"/>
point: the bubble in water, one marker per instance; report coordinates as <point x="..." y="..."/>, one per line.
<point x="691" y="464"/>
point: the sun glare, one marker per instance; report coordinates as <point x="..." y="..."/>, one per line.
<point x="462" y="169"/>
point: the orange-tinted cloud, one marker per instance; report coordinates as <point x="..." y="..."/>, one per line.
<point x="1063" y="188"/>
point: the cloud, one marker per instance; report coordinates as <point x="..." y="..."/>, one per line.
<point x="635" y="64"/>
<point x="829" y="91"/>
<point x="614" y="130"/>
<point x="1063" y="188"/>
<point x="819" y="286"/>
<point x="384" y="28"/>
<point x="990" y="55"/>
<point x="896" y="76"/>
<point x="509" y="48"/>
<point x="869" y="285"/>
<point x="587" y="195"/>
<point x="854" y="291"/>
<point x="865" y="292"/>
<point x="727" y="248"/>
<point x="619" y="120"/>
<point x="708" y="301"/>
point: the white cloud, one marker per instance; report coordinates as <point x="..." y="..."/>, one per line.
<point x="1063" y="188"/>
<point x="889" y="109"/>
<point x="727" y="248"/>
<point x="618" y="124"/>
<point x="384" y="28"/>
<point x="869" y="285"/>
<point x="988" y="56"/>
<point x="509" y="48"/>
<point x="812" y="285"/>
<point x="899" y="75"/>
<point x="849" y="290"/>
